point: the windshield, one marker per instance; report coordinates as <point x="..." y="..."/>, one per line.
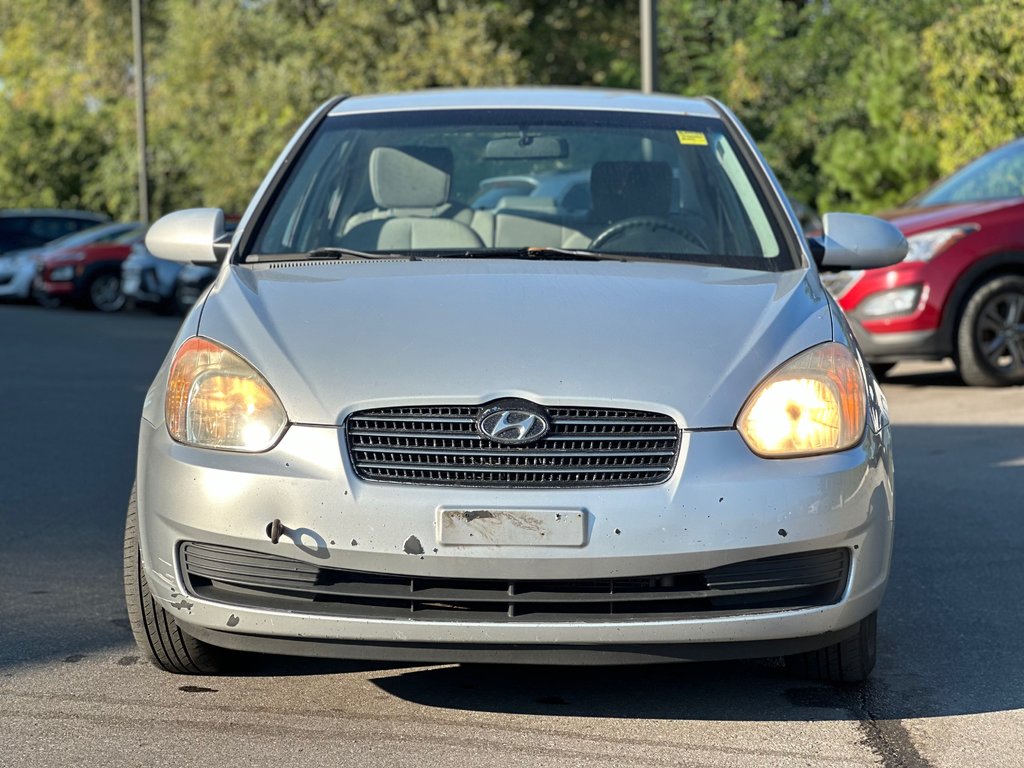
<point x="995" y="176"/>
<point x="480" y="182"/>
<point x="130" y="236"/>
<point x="103" y="233"/>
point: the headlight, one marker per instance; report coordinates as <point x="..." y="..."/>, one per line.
<point x="898" y="301"/>
<point x="62" y="274"/>
<point x="813" y="404"/>
<point x="839" y="283"/>
<point x="215" y="399"/>
<point x="924" y="246"/>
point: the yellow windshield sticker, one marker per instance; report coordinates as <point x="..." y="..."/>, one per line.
<point x="692" y="138"/>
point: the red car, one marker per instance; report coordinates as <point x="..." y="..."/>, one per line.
<point x="960" y="292"/>
<point x="88" y="275"/>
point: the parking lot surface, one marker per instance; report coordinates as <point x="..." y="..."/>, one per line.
<point x="948" y="689"/>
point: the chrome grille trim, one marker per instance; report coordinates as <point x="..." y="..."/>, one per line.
<point x="440" y="445"/>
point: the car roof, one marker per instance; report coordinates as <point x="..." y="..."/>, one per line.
<point x="51" y="213"/>
<point x="528" y="98"/>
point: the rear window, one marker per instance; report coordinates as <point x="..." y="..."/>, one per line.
<point x="50" y="228"/>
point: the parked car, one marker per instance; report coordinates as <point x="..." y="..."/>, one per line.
<point x="18" y="268"/>
<point x="400" y="428"/>
<point x="167" y="286"/>
<point x="88" y="276"/>
<point x="33" y="227"/>
<point x="149" y="281"/>
<point x="960" y="292"/>
<point x="190" y="284"/>
<point x="809" y="220"/>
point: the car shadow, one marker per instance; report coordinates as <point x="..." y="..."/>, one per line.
<point x="948" y="631"/>
<point x="924" y="377"/>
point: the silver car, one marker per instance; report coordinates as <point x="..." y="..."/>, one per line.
<point x="401" y="428"/>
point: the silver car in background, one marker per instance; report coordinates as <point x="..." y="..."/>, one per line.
<point x="400" y="427"/>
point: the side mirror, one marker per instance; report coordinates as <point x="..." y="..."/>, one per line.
<point x="853" y="241"/>
<point x="187" y="236"/>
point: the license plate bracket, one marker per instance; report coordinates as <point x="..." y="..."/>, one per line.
<point x="496" y="527"/>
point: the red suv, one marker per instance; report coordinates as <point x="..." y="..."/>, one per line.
<point x="87" y="275"/>
<point x="960" y="291"/>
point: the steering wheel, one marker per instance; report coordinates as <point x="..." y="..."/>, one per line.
<point x="646" y="224"/>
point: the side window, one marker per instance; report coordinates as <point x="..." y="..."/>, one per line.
<point x="744" y="190"/>
<point x="79" y="224"/>
<point x="13" y="234"/>
<point x="11" y="226"/>
<point x="310" y="202"/>
<point x="47" y="229"/>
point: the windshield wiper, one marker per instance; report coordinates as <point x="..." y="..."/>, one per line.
<point x="551" y="253"/>
<point x="327" y="253"/>
<point x="538" y="253"/>
<point x="530" y="253"/>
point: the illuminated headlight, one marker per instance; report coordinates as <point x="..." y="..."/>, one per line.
<point x="924" y="246"/>
<point x="62" y="274"/>
<point x="813" y="404"/>
<point x="898" y="301"/>
<point x="215" y="399"/>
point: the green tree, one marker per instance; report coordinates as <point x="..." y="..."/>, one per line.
<point x="233" y="80"/>
<point x="857" y="104"/>
<point x="572" y="42"/>
<point x="63" y="87"/>
<point x="836" y="92"/>
<point x="976" y="73"/>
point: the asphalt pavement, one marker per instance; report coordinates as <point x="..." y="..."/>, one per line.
<point x="948" y="689"/>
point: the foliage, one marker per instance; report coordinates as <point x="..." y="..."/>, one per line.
<point x="857" y="104"/>
<point x="977" y="75"/>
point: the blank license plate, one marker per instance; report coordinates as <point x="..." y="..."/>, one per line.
<point x="512" y="527"/>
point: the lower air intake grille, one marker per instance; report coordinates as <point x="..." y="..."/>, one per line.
<point x="585" y="448"/>
<point x="255" y="580"/>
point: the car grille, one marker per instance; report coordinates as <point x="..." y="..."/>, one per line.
<point x="255" y="580"/>
<point x="440" y="445"/>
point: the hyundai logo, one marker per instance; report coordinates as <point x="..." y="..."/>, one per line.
<point x="512" y="422"/>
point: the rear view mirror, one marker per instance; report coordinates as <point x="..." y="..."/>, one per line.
<point x="853" y="241"/>
<point x="527" y="148"/>
<point x="188" y="236"/>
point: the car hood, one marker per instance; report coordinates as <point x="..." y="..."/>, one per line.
<point x="690" y="341"/>
<point x="914" y="220"/>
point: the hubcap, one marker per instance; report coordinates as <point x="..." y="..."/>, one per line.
<point x="106" y="293"/>
<point x="1000" y="332"/>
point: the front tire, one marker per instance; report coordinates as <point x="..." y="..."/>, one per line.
<point x="848" y="661"/>
<point x="990" y="337"/>
<point x="103" y="293"/>
<point x="156" y="632"/>
<point x="46" y="300"/>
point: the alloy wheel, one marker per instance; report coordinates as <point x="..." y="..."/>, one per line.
<point x="105" y="293"/>
<point x="1000" y="331"/>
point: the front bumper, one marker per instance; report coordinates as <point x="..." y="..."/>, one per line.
<point x="16" y="278"/>
<point x="722" y="505"/>
<point x="62" y="289"/>
<point x="929" y="344"/>
<point x="142" y="285"/>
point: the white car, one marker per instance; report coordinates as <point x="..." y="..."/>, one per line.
<point x="18" y="268"/>
<point x="398" y="427"/>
